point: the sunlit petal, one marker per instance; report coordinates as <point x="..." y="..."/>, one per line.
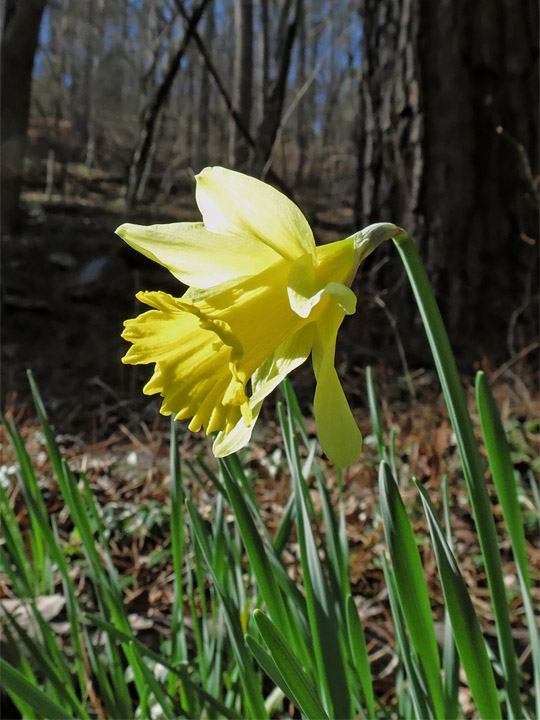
<point x="235" y="204"/>
<point x="194" y="373"/>
<point x="196" y="256"/>
<point x="310" y="280"/>
<point x="338" y="432"/>
<point x="227" y="443"/>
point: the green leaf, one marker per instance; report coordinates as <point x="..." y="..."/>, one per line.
<point x="470" y="458"/>
<point x="48" y="656"/>
<point x="253" y="695"/>
<point x="297" y="685"/>
<point x="467" y="634"/>
<point x="417" y="690"/>
<point x="328" y="642"/>
<point x="450" y="657"/>
<point x="375" y="414"/>
<point x="182" y="671"/>
<point x="534" y="637"/>
<point x="15" y="682"/>
<point x="410" y="583"/>
<point x="502" y="471"/>
<point x="257" y="553"/>
<point x="357" y="641"/>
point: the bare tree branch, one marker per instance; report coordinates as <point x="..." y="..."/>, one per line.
<point x="154" y="105"/>
<point x="211" y="68"/>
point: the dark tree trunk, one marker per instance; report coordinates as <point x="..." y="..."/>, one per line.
<point x="449" y="132"/>
<point x="22" y="21"/>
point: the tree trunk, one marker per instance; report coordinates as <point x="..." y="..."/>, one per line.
<point x="22" y="21"/>
<point x="301" y="135"/>
<point x="95" y="11"/>
<point x="449" y="131"/>
<point x="243" y="82"/>
<point x="275" y="93"/>
<point x="204" y="99"/>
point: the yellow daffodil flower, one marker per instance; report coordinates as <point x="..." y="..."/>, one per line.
<point x="262" y="297"/>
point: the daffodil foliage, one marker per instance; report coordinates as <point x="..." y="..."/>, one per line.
<point x="262" y="297"/>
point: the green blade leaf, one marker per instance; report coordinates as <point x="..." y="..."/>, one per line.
<point x="297" y="685"/>
<point x="15" y="682"/>
<point x="375" y="414"/>
<point x="327" y="638"/>
<point x="470" y="457"/>
<point x="410" y="583"/>
<point x="357" y="641"/>
<point x="254" y="698"/>
<point x="417" y="691"/>
<point x="450" y="657"/>
<point x="257" y="553"/>
<point x="182" y="671"/>
<point x="502" y="471"/>
<point x="467" y="634"/>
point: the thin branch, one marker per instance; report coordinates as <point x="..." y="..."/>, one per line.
<point x="211" y="68"/>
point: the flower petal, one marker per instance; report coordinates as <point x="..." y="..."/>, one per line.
<point x="232" y="203"/>
<point x="252" y="316"/>
<point x="289" y="355"/>
<point x="338" y="432"/>
<point x="193" y="372"/>
<point x="285" y="358"/>
<point x="228" y="443"/>
<point x="309" y="281"/>
<point x="196" y="256"/>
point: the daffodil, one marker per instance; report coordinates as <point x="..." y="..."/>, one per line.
<point x="262" y="297"/>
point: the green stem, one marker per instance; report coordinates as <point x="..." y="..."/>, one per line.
<point x="470" y="457"/>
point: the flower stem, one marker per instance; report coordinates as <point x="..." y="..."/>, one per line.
<point x="470" y="457"/>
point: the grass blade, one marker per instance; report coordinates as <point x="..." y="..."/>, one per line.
<point x="320" y="605"/>
<point x="257" y="554"/>
<point x="450" y="656"/>
<point x="470" y="458"/>
<point x="253" y="695"/>
<point x="294" y="681"/>
<point x="15" y="683"/>
<point x="410" y="583"/>
<point x="418" y="691"/>
<point x="375" y="414"/>
<point x="467" y="634"/>
<point x="357" y="641"/>
<point x="502" y="471"/>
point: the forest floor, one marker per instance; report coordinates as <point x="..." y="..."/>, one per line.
<point x="68" y="284"/>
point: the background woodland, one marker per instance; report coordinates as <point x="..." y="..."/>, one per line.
<point x="413" y="111"/>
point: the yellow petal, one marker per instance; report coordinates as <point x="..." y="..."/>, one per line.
<point x="253" y="316"/>
<point x="285" y="358"/>
<point x="196" y="256"/>
<point x="336" y="260"/>
<point x="235" y="204"/>
<point x="193" y="367"/>
<point x="228" y="443"/>
<point x="309" y="281"/>
<point x="338" y="432"/>
<point x="289" y="355"/>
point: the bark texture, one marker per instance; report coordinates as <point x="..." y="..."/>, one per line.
<point x="22" y="21"/>
<point x="243" y="83"/>
<point x="448" y="148"/>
